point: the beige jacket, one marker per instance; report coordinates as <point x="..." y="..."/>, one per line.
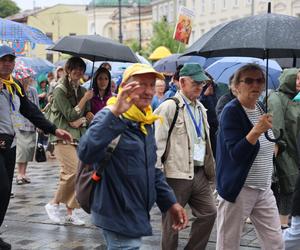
<point x="179" y="161"/>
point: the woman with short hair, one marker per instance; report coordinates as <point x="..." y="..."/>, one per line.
<point x="244" y="166"/>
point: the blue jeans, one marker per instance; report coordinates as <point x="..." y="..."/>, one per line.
<point x="117" y="241"/>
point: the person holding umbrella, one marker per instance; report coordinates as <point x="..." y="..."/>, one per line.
<point x="244" y="166"/>
<point x="70" y="110"/>
<point x="13" y="102"/>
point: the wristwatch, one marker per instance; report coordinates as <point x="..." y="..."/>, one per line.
<point x="77" y="109"/>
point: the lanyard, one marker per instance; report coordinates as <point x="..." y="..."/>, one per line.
<point x="198" y="127"/>
<point x="12" y="102"/>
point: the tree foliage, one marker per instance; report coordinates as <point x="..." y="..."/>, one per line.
<point x="163" y="36"/>
<point x="8" y="8"/>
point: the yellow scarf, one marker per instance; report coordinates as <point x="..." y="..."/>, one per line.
<point x="135" y="114"/>
<point x="9" y="84"/>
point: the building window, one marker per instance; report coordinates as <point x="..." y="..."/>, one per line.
<point x="72" y="34"/>
<point x="224" y="4"/>
<point x="248" y="2"/>
<point x="213" y="5"/>
<point x="92" y="28"/>
<point x="161" y="11"/>
<point x="49" y="57"/>
<point x="236" y="3"/>
<point x="155" y="14"/>
<point x="193" y="4"/>
<point x="202" y="7"/>
<point x="171" y="12"/>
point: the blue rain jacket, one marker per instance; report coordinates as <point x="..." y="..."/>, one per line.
<point x="130" y="183"/>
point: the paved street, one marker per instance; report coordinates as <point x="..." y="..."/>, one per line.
<point x="28" y="227"/>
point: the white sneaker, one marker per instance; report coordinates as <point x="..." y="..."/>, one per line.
<point x="73" y="219"/>
<point x="53" y="212"/>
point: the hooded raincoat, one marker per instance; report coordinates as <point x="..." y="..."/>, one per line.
<point x="286" y="116"/>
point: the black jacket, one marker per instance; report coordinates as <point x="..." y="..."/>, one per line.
<point x="33" y="114"/>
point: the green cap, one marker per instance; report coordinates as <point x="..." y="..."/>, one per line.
<point x="194" y="71"/>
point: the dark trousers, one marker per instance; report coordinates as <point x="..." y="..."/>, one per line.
<point x="198" y="194"/>
<point x="7" y="167"/>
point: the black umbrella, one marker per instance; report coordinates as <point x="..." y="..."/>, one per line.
<point x="264" y="36"/>
<point x="94" y="48"/>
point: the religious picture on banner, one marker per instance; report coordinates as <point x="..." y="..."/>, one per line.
<point x="183" y="28"/>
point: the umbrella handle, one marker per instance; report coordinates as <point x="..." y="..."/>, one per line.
<point x="275" y="139"/>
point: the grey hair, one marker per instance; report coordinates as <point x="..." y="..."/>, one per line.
<point x="250" y="66"/>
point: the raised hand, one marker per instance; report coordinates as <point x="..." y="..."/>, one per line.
<point x="264" y="123"/>
<point x="89" y="94"/>
<point x="130" y="92"/>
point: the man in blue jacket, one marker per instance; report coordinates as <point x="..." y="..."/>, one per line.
<point x="130" y="183"/>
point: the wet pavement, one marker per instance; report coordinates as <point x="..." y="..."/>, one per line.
<point x="27" y="226"/>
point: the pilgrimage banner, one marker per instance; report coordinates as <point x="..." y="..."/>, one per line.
<point x="183" y="28"/>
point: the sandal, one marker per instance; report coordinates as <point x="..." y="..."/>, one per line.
<point x="26" y="180"/>
<point x="20" y="181"/>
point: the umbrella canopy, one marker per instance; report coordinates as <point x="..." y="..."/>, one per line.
<point x="142" y="59"/>
<point x="263" y="36"/>
<point x="18" y="32"/>
<point x="159" y="53"/>
<point x="224" y="68"/>
<point x="38" y="65"/>
<point x="170" y="63"/>
<point x="94" y="48"/>
<point x="288" y="62"/>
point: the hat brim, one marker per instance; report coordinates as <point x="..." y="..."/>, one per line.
<point x="146" y="71"/>
<point x="199" y="78"/>
<point x="12" y="55"/>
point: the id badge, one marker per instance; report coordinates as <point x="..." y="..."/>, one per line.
<point x="199" y="151"/>
<point x="16" y="119"/>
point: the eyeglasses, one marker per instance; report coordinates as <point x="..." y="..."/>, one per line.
<point x="249" y="80"/>
<point x="196" y="83"/>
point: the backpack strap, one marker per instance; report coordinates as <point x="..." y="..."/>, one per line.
<point x="108" y="154"/>
<point x="164" y="156"/>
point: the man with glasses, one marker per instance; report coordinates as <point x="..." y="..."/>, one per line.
<point x="189" y="162"/>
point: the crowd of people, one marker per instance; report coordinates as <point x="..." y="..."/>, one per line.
<point x="178" y="145"/>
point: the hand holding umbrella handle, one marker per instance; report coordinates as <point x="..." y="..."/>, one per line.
<point x="274" y="139"/>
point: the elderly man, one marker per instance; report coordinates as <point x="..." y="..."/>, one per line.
<point x="130" y="183"/>
<point x="189" y="162"/>
<point x="14" y="102"/>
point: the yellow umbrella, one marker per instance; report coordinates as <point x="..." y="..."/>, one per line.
<point x="159" y="53"/>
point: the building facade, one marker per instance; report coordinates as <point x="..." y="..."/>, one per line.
<point x="103" y="19"/>
<point x="210" y="13"/>
<point x="56" y="22"/>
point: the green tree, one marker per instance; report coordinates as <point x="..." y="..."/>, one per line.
<point x="163" y="36"/>
<point x="8" y="8"/>
<point x="133" y="44"/>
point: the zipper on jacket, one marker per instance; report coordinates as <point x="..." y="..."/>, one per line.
<point x="147" y="176"/>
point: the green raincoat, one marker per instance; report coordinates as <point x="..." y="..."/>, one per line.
<point x="286" y="116"/>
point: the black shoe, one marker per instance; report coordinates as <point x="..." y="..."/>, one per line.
<point x="4" y="245"/>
